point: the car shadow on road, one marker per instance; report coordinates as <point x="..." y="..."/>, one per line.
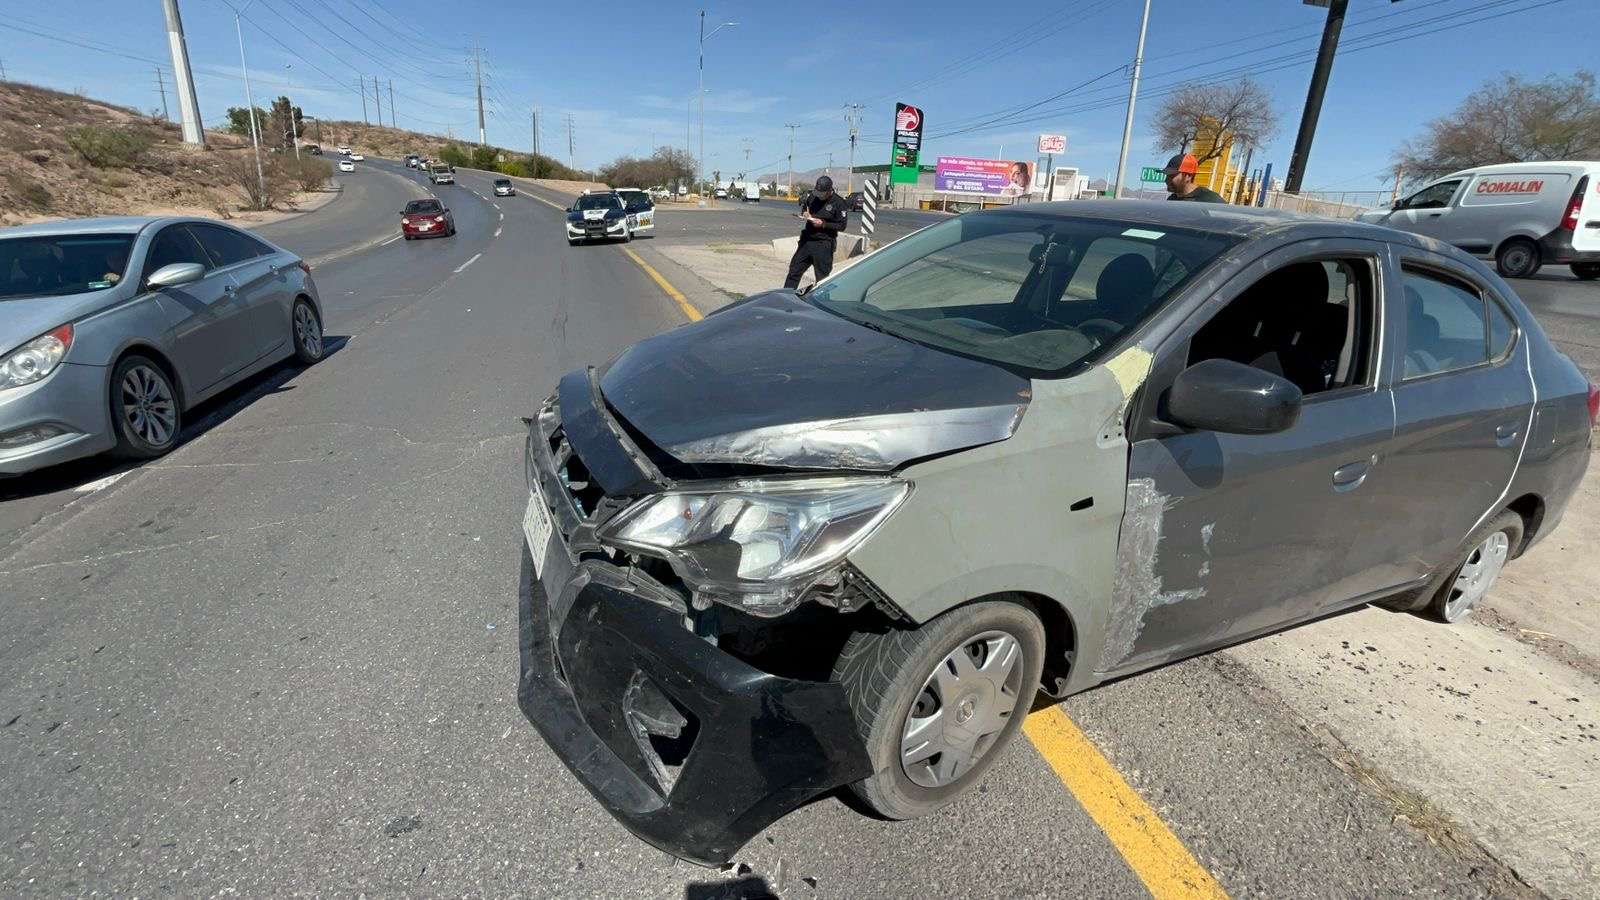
<point x="749" y="887"/>
<point x="81" y="472"/>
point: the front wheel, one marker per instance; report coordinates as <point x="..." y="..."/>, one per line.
<point x="934" y="705"/>
<point x="1517" y="258"/>
<point x="307" y="333"/>
<point x="144" y="409"/>
<point x="1586" y="271"/>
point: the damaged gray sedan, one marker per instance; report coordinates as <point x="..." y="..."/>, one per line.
<point x="846" y="538"/>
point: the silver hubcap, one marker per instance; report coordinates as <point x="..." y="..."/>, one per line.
<point x="307" y="331"/>
<point x="147" y="406"/>
<point x="1478" y="574"/>
<point x="961" y="710"/>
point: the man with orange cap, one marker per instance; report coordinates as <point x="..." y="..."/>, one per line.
<point x="1180" y="172"/>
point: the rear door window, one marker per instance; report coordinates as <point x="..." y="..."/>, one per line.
<point x="1446" y="324"/>
<point x="225" y="246"/>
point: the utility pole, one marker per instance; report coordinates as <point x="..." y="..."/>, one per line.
<point x="377" y="101"/>
<point x="853" y="116"/>
<point x="477" y="66"/>
<point x="571" y="159"/>
<point x="182" y="77"/>
<point x="160" y="86"/>
<point x="391" y="104"/>
<point x="2" y="69"/>
<point x="363" y="92"/>
<point x="536" y="136"/>
<point x="1319" y="87"/>
<point x="790" y="187"/>
<point x="1133" y="93"/>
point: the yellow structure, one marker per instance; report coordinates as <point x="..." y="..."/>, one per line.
<point x="1217" y="173"/>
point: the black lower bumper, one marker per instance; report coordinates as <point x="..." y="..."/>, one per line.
<point x="1556" y="247"/>
<point x="693" y="750"/>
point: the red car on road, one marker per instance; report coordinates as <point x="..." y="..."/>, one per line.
<point x="426" y="218"/>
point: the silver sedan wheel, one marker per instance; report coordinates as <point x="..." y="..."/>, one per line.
<point x="148" y="407"/>
<point x="307" y="330"/>
<point x="1477" y="575"/>
<point x="964" y="705"/>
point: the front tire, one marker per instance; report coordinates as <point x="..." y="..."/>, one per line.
<point x="936" y="704"/>
<point x="1517" y="258"/>
<point x="1586" y="271"/>
<point x="307" y="333"/>
<point x="145" y="413"/>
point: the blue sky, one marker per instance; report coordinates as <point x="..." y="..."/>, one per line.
<point x="624" y="71"/>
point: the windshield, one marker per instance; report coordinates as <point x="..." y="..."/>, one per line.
<point x="423" y="206"/>
<point x="1036" y="291"/>
<point x="62" y="264"/>
<point x="633" y="196"/>
<point x="599" y="201"/>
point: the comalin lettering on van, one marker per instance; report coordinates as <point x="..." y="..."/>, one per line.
<point x="1510" y="187"/>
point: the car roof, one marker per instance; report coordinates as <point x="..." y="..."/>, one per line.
<point x="1549" y="166"/>
<point x="100" y="225"/>
<point x="1218" y="218"/>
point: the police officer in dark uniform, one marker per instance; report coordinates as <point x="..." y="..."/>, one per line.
<point x="825" y="217"/>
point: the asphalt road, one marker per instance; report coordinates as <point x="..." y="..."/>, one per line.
<point x="283" y="658"/>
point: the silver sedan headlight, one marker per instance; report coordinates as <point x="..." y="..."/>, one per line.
<point x="35" y="359"/>
<point x="757" y="545"/>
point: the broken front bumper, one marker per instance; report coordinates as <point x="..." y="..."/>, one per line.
<point x="693" y="750"/>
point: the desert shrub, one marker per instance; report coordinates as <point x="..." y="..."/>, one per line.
<point x="108" y="148"/>
<point x="308" y="172"/>
<point x="259" y="192"/>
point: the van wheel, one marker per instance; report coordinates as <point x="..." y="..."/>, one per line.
<point x="1518" y="258"/>
<point x="935" y="705"/>
<point x="1586" y="271"/>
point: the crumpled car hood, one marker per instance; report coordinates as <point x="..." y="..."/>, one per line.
<point x="774" y="381"/>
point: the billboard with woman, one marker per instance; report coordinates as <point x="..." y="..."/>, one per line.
<point x="993" y="177"/>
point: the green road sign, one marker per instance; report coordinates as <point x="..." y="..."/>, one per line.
<point x="1150" y="173"/>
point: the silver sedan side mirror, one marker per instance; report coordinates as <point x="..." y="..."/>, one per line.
<point x="176" y="274"/>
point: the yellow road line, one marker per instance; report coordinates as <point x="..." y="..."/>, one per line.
<point x="677" y="296"/>
<point x="1151" y="850"/>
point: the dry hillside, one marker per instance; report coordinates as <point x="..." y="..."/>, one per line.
<point x="43" y="176"/>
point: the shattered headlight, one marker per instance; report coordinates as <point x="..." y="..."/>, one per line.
<point x="757" y="545"/>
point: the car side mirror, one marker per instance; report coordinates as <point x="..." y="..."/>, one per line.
<point x="1233" y="398"/>
<point x="1395" y="205"/>
<point x="176" y="275"/>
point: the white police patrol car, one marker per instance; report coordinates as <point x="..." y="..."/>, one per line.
<point x="599" y="215"/>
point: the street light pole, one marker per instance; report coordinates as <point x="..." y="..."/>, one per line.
<point x="702" y="87"/>
<point x="294" y="131"/>
<point x="1133" y="92"/>
<point x="1319" y="86"/>
<point x="250" y="103"/>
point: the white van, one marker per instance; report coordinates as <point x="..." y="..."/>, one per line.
<point x="1521" y="215"/>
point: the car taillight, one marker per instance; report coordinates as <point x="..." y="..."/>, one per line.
<point x="1570" y="220"/>
<point x="1594" y="404"/>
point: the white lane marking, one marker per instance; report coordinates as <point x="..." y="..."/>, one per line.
<point x="496" y="206"/>
<point x="468" y="263"/>
<point x="99" y="483"/>
<point x="502" y="217"/>
<point x="391" y="240"/>
<point x="497" y="232"/>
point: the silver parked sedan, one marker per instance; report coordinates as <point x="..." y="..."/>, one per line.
<point x="110" y="329"/>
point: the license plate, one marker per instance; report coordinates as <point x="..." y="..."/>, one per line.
<point x="424" y="227"/>
<point x="536" y="528"/>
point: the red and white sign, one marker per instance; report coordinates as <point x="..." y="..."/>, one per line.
<point x="908" y="119"/>
<point x="1528" y="186"/>
<point x="1052" y="143"/>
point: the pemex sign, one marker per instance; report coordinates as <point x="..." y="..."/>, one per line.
<point x="903" y="168"/>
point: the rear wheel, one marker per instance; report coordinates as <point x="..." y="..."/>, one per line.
<point x="1470" y="581"/>
<point x="1517" y="258"/>
<point x="1586" y="271"/>
<point x="144" y="409"/>
<point x="935" y="705"/>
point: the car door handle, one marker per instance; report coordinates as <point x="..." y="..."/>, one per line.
<point x="1350" y="476"/>
<point x="229" y="289"/>
<point x="1434" y="215"/>
<point x="1506" y="434"/>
